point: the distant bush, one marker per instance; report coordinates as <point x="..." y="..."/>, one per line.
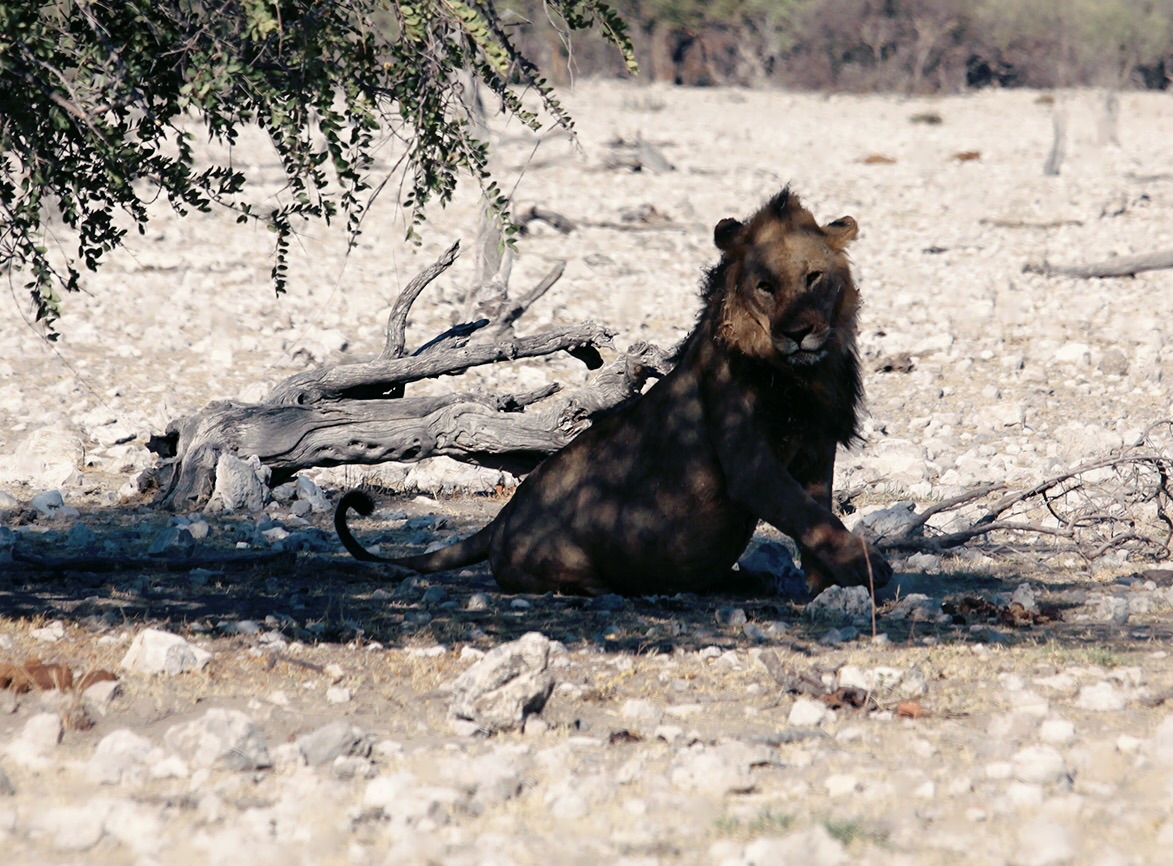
<point x="895" y="45"/>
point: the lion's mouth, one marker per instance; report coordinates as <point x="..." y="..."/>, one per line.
<point x="811" y="350"/>
<point x="805" y="357"/>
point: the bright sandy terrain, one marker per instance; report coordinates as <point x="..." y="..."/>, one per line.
<point x="1040" y="745"/>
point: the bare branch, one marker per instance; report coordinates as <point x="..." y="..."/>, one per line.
<point x="1117" y="502"/>
<point x="373" y="379"/>
<point x="397" y="321"/>
<point x="517" y="309"/>
<point x="1118" y="266"/>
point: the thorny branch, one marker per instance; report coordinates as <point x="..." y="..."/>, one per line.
<point x="1118" y="502"/>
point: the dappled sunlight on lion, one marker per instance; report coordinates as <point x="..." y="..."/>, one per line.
<point x="664" y="495"/>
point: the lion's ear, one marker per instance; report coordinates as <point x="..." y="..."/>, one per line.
<point x="841" y="232"/>
<point x="727" y="233"/>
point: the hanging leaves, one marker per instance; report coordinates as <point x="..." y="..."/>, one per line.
<point x="96" y="98"/>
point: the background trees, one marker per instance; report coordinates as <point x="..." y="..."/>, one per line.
<point x="903" y="45"/>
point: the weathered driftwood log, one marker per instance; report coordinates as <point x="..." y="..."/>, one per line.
<point x="355" y="413"/>
<point x="1118" y="266"/>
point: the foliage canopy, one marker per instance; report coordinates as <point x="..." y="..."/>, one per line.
<point x="97" y="99"/>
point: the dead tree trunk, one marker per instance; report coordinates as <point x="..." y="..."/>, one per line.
<point x="356" y="413"/>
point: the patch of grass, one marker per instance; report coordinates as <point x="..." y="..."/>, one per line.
<point x="928" y="118"/>
<point x="1102" y="656"/>
<point x="849" y="830"/>
<point x="765" y="823"/>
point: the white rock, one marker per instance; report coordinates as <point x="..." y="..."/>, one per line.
<point x="71" y="828"/>
<point x="47" y="457"/>
<point x="509" y="683"/>
<point x="839" y="603"/>
<point x="1044" y="843"/>
<point x="338" y="695"/>
<point x="1073" y="353"/>
<point x="36" y="740"/>
<point x="1163" y="741"/>
<point x="841" y="784"/>
<point x="1057" y="732"/>
<point x="443" y="475"/>
<point x="806" y="713"/>
<point x="722" y="769"/>
<point x="813" y="847"/>
<point x="336" y="739"/>
<point x="1040" y="765"/>
<point x="644" y="712"/>
<point x="1101" y="697"/>
<point x="1023" y="795"/>
<point x="49" y="633"/>
<point x="240" y="485"/>
<point x="154" y="652"/>
<point x="138" y="826"/>
<point x="220" y="737"/>
<point x="120" y="756"/>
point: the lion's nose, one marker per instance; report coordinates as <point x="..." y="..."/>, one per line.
<point x="798" y="333"/>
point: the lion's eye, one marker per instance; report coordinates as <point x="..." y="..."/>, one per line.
<point x="764" y="286"/>
<point x="813" y="277"/>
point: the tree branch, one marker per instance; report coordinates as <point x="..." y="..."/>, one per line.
<point x="1118" y="266"/>
<point x="397" y="320"/>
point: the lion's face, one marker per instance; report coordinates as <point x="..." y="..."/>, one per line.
<point x="788" y="294"/>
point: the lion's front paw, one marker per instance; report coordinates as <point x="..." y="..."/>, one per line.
<point x="858" y="565"/>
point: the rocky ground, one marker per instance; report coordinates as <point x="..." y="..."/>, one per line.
<point x="1007" y="705"/>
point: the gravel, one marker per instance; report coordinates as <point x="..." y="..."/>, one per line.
<point x="314" y="710"/>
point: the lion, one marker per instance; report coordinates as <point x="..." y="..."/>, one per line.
<point x="663" y="495"/>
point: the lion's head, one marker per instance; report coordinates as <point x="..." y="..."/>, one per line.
<point x="784" y="285"/>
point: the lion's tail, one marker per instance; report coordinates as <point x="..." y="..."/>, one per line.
<point x="472" y="549"/>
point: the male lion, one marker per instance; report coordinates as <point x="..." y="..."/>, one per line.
<point x="663" y="495"/>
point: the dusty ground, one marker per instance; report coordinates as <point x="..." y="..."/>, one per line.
<point x="668" y="739"/>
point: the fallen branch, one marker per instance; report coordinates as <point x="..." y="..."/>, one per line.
<point x="1118" y="266"/>
<point x="356" y="413"/>
<point x="1118" y="502"/>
